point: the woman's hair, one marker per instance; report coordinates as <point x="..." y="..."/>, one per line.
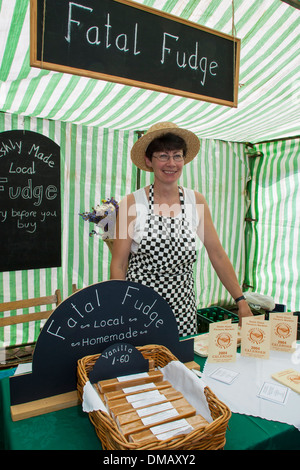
<point x="166" y="142"/>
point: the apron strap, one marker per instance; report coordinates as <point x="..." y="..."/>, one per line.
<point x="181" y="199"/>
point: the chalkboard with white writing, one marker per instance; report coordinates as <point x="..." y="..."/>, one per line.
<point x="90" y="321"/>
<point x="118" y="360"/>
<point x="30" y="213"/>
<point x="122" y="41"/>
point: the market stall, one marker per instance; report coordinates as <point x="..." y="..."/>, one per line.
<point x="227" y="376"/>
<point x="65" y="139"/>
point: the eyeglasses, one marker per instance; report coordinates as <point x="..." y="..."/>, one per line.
<point x="165" y="158"/>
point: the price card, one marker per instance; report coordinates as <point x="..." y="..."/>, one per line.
<point x="273" y="392"/>
<point x="255" y="338"/>
<point x="283" y="331"/>
<point x="118" y="360"/>
<point x="224" y="375"/>
<point x="222" y="341"/>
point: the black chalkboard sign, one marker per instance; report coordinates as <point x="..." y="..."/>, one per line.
<point x="30" y="212"/>
<point x="121" y="41"/>
<point x="118" y="360"/>
<point x="90" y="321"/>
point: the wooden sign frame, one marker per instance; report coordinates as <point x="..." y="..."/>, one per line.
<point x="219" y="79"/>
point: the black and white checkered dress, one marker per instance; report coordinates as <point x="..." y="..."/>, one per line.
<point x="164" y="261"/>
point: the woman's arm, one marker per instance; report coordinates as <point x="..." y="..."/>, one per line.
<point x="123" y="238"/>
<point x="218" y="256"/>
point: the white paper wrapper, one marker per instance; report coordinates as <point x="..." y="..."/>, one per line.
<point x="91" y="401"/>
<point x="179" y="376"/>
<point x="192" y="387"/>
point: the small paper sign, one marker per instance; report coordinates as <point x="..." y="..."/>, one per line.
<point x="283" y="331"/>
<point x="224" y="375"/>
<point x="255" y="338"/>
<point x="222" y="341"/>
<point x="273" y="392"/>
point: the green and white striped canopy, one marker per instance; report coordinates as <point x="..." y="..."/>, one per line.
<point x="269" y="82"/>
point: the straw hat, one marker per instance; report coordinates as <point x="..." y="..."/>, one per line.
<point x="138" y="150"/>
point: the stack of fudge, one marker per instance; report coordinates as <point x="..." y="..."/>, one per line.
<point x="146" y="407"/>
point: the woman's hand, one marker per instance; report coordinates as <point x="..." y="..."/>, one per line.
<point x="244" y="310"/>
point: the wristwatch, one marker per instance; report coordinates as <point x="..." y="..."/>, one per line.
<point x="242" y="297"/>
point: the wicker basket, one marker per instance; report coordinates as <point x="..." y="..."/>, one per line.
<point x="210" y="437"/>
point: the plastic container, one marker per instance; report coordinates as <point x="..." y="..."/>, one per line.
<point x="208" y="315"/>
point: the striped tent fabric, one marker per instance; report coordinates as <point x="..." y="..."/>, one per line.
<point x="95" y="123"/>
<point x="268" y="101"/>
<point x="274" y="232"/>
<point x="223" y="180"/>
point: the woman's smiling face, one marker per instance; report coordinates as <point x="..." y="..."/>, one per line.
<point x="167" y="164"/>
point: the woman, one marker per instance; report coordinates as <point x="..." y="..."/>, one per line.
<point x="157" y="227"/>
